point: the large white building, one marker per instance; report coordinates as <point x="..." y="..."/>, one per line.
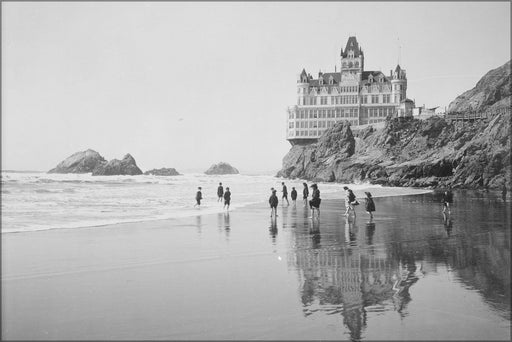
<point x="353" y="94"/>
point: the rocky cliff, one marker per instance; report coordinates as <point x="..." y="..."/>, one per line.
<point x="126" y="166"/>
<point x="79" y="162"/>
<point x="221" y="169"/>
<point x="493" y="88"/>
<point x="411" y="152"/>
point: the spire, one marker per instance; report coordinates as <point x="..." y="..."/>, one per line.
<point x="353" y="45"/>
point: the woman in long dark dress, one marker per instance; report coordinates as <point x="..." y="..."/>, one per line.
<point x="369" y="205"/>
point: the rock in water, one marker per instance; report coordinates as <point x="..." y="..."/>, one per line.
<point x="126" y="166"/>
<point x="163" y="172"/>
<point x="221" y="169"/>
<point x="79" y="162"/>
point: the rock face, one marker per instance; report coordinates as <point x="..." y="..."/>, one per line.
<point x="163" y="172"/>
<point x="126" y="166"/>
<point x="492" y="87"/>
<point x="411" y="152"/>
<point x="221" y="169"/>
<point x="80" y="162"/>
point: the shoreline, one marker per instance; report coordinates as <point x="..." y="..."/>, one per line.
<point x="215" y="208"/>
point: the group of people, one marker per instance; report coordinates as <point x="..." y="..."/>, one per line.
<point x="221" y="194"/>
<point x="314" y="203"/>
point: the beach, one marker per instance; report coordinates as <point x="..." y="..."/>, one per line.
<point x="410" y="274"/>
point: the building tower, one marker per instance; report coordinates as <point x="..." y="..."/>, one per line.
<point x="352" y="61"/>
<point x="398" y="85"/>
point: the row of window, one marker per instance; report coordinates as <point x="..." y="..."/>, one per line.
<point x="313" y="133"/>
<point x="348" y="99"/>
<point x="323" y="113"/>
<point x="382" y="112"/>
<point x="348" y="89"/>
<point x="305" y="114"/>
<point x="314" y="124"/>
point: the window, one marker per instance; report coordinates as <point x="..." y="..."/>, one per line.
<point x="364" y="99"/>
<point x="375" y="98"/>
<point x="290" y="125"/>
<point x="386" y="98"/>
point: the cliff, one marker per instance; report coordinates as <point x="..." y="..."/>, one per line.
<point x="79" y="162"/>
<point x="493" y="87"/>
<point x="411" y="152"/>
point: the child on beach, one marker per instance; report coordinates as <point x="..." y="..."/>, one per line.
<point x="315" y="201"/>
<point x="199" y="197"/>
<point x="273" y="201"/>
<point x="285" y="194"/>
<point x="369" y="205"/>
<point x="447" y="199"/>
<point x="220" y="192"/>
<point x="294" y="195"/>
<point x="305" y="193"/>
<point x="350" y="201"/>
<point x="227" y="198"/>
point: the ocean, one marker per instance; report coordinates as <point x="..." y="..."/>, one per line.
<point x="39" y="201"/>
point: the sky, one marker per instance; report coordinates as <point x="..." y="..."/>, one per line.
<point x="187" y="85"/>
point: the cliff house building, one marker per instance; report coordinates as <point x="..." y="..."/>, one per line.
<point x="353" y="94"/>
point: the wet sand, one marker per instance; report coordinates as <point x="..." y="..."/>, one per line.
<point x="407" y="275"/>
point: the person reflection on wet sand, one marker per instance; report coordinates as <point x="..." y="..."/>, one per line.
<point x="273" y="229"/>
<point x="198" y="224"/>
<point x="350" y="231"/>
<point x="227" y="226"/>
<point x="448" y="224"/>
<point x="315" y="234"/>
<point x="370" y="230"/>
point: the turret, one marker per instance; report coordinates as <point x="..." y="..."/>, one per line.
<point x="302" y="87"/>
<point x="398" y="85"/>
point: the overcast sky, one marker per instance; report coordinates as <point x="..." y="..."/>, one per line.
<point x="186" y="85"/>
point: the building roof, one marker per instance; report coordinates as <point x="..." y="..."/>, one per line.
<point x="352" y="44"/>
<point x="335" y="75"/>
<point x="375" y="73"/>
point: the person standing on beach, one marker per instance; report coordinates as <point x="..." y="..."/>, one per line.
<point x="369" y="205"/>
<point x="227" y="198"/>
<point x="285" y="194"/>
<point x="315" y="201"/>
<point x="199" y="197"/>
<point x="273" y="201"/>
<point x="350" y="201"/>
<point x="294" y="195"/>
<point x="220" y="192"/>
<point x="305" y="193"/>
<point x="447" y="200"/>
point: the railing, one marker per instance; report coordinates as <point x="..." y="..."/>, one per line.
<point x="477" y="115"/>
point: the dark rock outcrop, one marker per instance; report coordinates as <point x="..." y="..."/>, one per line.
<point x="79" y="162"/>
<point x="126" y="166"/>
<point x="163" y="172"/>
<point x="221" y="169"/>
<point x="417" y="153"/>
